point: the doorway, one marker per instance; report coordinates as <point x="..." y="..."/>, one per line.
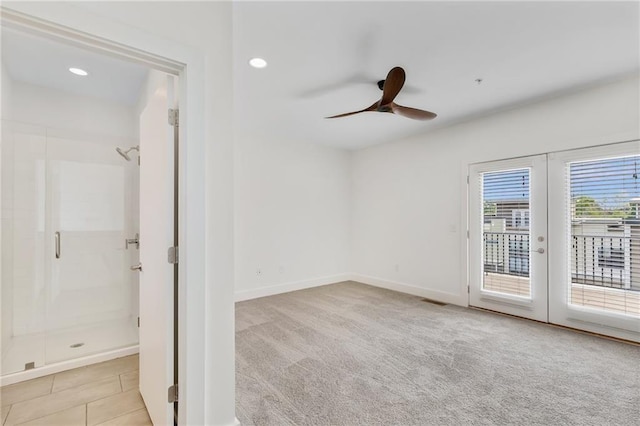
<point x="556" y="238"/>
<point x="84" y="214"/>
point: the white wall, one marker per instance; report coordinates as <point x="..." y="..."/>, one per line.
<point x="61" y="110"/>
<point x="292" y="203"/>
<point x="409" y="197"/>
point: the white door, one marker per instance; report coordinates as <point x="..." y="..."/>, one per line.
<point x="156" y="236"/>
<point x="508" y="236"/>
<point x="594" y="271"/>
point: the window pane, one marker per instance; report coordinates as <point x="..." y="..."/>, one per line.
<point x="605" y="234"/>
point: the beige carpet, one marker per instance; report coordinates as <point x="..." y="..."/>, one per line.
<point x="351" y="354"/>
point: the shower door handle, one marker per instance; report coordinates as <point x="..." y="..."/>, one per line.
<point x="57" y="238"/>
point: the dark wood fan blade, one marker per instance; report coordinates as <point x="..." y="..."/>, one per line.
<point x="416" y="114"/>
<point x="392" y="85"/>
<point x="371" y="108"/>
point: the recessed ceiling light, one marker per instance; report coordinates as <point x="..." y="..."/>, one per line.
<point x="78" y="71"/>
<point x="257" y="62"/>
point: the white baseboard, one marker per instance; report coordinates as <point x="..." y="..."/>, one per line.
<point x="291" y="286"/>
<point x="45" y="370"/>
<point x="440" y="296"/>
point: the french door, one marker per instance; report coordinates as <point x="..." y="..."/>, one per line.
<point x="594" y="272"/>
<point x="556" y="238"/>
<point x="508" y="236"/>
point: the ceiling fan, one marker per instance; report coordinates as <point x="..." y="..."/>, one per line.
<point x="390" y="89"/>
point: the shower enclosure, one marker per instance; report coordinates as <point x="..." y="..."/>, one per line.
<point x="69" y="204"/>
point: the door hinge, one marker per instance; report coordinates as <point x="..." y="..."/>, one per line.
<point x="174" y="117"/>
<point x="467" y="179"/>
<point x="138" y="322"/>
<point x="172" y="394"/>
<point x="468" y="290"/>
<point x="467" y="234"/>
<point x="172" y="255"/>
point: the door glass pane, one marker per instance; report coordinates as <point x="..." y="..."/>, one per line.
<point x="506" y="229"/>
<point x="605" y="234"/>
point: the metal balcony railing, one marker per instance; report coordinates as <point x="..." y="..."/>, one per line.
<point x="603" y="261"/>
<point x="506" y="253"/>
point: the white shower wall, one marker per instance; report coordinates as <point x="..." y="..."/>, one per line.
<point x="58" y="157"/>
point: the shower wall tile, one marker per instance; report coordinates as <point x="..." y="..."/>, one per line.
<point x="58" y="321"/>
<point x="7" y="172"/>
<point x="7" y="191"/>
<point x="28" y="302"/>
<point x="27" y="147"/>
<point x="24" y="249"/>
<point x="25" y="199"/>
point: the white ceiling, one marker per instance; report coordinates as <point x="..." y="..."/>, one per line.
<point x="325" y="58"/>
<point x="35" y="60"/>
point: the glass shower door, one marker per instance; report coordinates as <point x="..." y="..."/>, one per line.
<point x="89" y="302"/>
<point x="23" y="287"/>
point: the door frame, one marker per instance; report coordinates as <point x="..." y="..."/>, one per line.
<point x="81" y="28"/>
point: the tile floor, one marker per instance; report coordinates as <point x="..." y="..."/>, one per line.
<point x="103" y="394"/>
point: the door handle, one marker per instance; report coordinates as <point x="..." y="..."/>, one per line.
<point x="57" y="238"/>
<point x="137" y="267"/>
<point x="540" y="250"/>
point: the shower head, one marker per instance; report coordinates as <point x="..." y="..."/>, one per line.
<point x="125" y="154"/>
